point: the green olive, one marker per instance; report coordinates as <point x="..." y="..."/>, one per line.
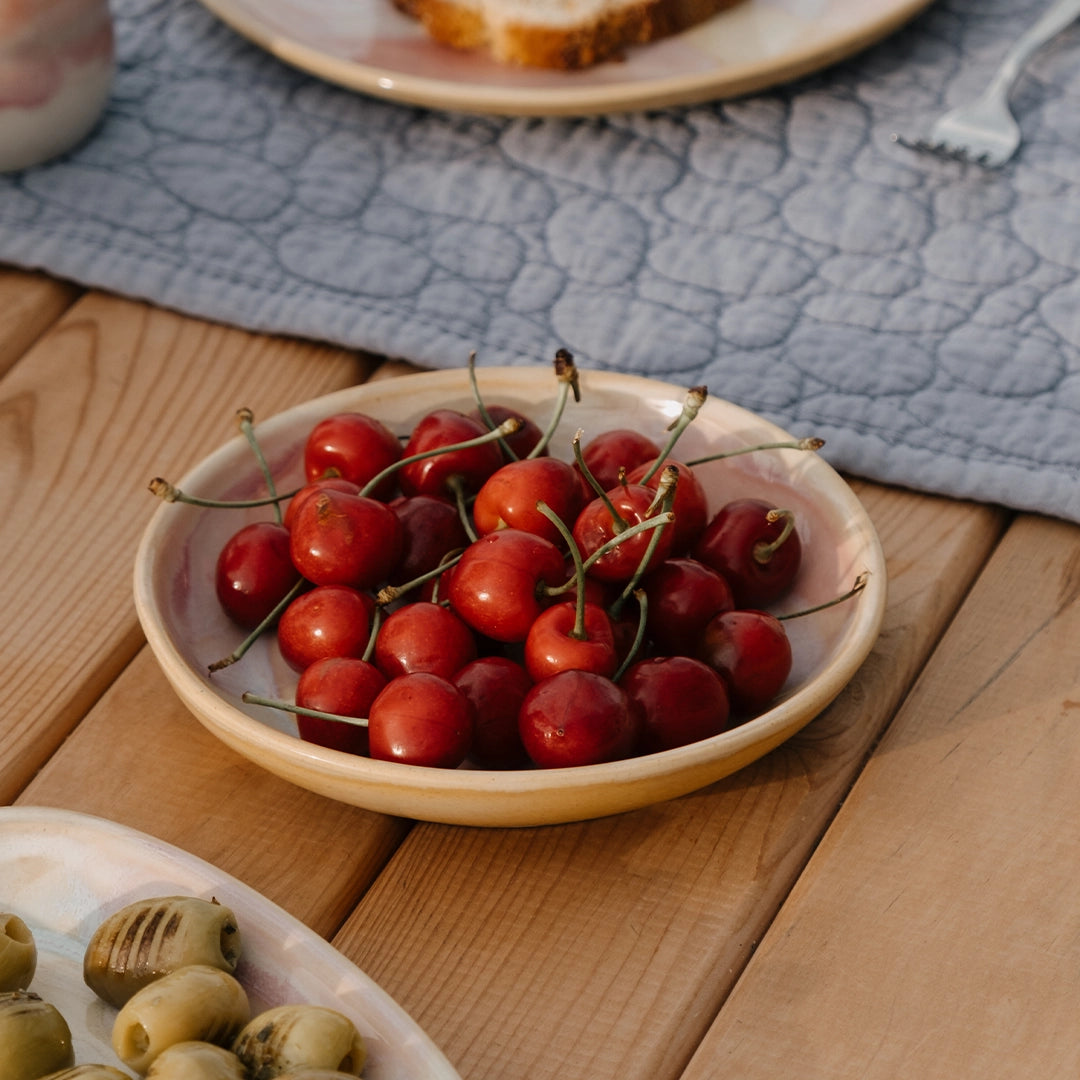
<point x="196" y="1061"/>
<point x="35" y="1039"/>
<point x="18" y="953"/>
<point x="88" y="1072"/>
<point x="291" y="1037"/>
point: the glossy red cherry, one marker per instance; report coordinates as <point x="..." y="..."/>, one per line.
<point x="254" y="572"/>
<point x="330" y="620"/>
<point x="691" y="506"/>
<point x="756" y="548"/>
<point x="421" y="719"/>
<point x="354" y="446"/>
<point x="595" y="526"/>
<point x="577" y="718"/>
<point x="345" y="686"/>
<point x="496" y="587"/>
<point x="342" y="539"/>
<point x="618" y="450"/>
<point x="682" y="700"/>
<point x="551" y="646"/>
<point x="423" y="637"/>
<point x="683" y="595"/>
<point x="327" y="483"/>
<point x="751" y="650"/>
<point x="509" y="496"/>
<point x="496" y="687"/>
<point x="443" y="473"/>
<point x="431" y="527"/>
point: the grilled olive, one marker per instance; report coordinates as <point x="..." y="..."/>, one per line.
<point x="150" y="938"/>
<point x="34" y="1038"/>
<point x="196" y="1061"/>
<point x="198" y="1003"/>
<point x="290" y="1037"/>
<point x="18" y="953"/>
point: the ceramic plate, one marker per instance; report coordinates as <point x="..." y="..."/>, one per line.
<point x="369" y="45"/>
<point x="64" y="873"/>
<point x="187" y="630"/>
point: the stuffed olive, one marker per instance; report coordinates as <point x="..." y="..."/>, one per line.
<point x="291" y="1037"/>
<point x="196" y="1061"/>
<point x="148" y="939"/>
<point x="199" y="1003"/>
<point x="18" y="953"/>
<point x="35" y="1039"/>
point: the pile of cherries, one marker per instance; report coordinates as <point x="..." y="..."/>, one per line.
<point x="460" y="593"/>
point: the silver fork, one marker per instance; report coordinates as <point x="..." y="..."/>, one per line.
<point x="984" y="131"/>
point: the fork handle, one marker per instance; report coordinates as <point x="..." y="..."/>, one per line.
<point x="1053" y="21"/>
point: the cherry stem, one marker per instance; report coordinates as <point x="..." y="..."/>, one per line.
<point x="578" y="633"/>
<point x="632" y="530"/>
<point x="860" y="584"/>
<point x="639" y="636"/>
<point x="246" y="419"/>
<point x="695" y="398"/>
<point x="481" y="408"/>
<point x="242" y="648"/>
<point x="171" y="494"/>
<point x="507" y="427"/>
<point x="618" y="522"/>
<point x="376" y="625"/>
<point x="462" y="503"/>
<point x="566" y="374"/>
<point x="764" y="550"/>
<point x="811" y="443"/>
<point x="389" y="593"/>
<point x="299" y="710"/>
<point x="665" y="495"/>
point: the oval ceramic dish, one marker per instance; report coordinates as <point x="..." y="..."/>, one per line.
<point x="64" y="873"/>
<point x="174" y="595"/>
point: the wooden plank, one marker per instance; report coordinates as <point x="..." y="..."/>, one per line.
<point x="29" y="305"/>
<point x="936" y="933"/>
<point x="116" y="393"/>
<point x="605" y="949"/>
<point x="279" y="839"/>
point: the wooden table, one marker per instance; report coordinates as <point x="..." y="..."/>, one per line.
<point x="891" y="893"/>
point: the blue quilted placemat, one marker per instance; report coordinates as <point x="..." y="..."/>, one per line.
<point x="921" y="315"/>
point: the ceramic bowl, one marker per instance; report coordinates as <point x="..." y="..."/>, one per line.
<point x="187" y="630"/>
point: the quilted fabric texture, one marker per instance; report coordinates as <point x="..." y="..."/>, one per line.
<point x="921" y="315"/>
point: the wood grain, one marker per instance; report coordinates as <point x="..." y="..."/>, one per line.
<point x="604" y="949"/>
<point x="935" y="933"/>
<point x="30" y="304"/>
<point x="113" y="394"/>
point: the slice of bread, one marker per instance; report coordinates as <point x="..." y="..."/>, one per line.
<point x="565" y="34"/>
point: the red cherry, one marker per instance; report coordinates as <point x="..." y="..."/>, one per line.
<point x="442" y="473"/>
<point x="683" y="595"/>
<point x="254" y="572"/>
<point x="691" y="507"/>
<point x="431" y="528"/>
<point x="342" y="685"/>
<point x="509" y="496"/>
<point x="759" y="557"/>
<point x="751" y="650"/>
<point x="521" y="442"/>
<point x="594" y="527"/>
<point x="682" y="700"/>
<point x="496" y="687"/>
<point x="551" y="647"/>
<point x="354" y="446"/>
<point x="495" y="586"/>
<point x="619" y="450"/>
<point x="577" y="718"/>
<point x="421" y="719"/>
<point x="330" y="620"/>
<point x="342" y="539"/>
<point x="327" y="483"/>
<point x="423" y="637"/>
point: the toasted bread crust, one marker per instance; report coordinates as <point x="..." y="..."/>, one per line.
<point x="569" y="47"/>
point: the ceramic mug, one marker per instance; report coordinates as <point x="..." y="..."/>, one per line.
<point x="56" y="70"/>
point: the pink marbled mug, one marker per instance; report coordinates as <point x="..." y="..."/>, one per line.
<point x="56" y="70"/>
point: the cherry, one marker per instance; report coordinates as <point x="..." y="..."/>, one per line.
<point x="755" y="547"/>
<point x="577" y="718"/>
<point x="691" y="506"/>
<point x="353" y="446"/>
<point x="254" y="572"/>
<point x="496" y="687"/>
<point x="421" y="719"/>
<point x="595" y="526"/>
<point x="431" y="528"/>
<point x="555" y="642"/>
<point x="509" y="496"/>
<point x="345" y="686"/>
<point x="751" y="650"/>
<point x="683" y="595"/>
<point x="682" y="700"/>
<point x="423" y="637"/>
<point x="464" y="468"/>
<point x="327" y="483"/>
<point x="523" y="442"/>
<point x="612" y="453"/>
<point x="328" y="621"/>
<point x="496" y="586"/>
<point x="343" y="539"/>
